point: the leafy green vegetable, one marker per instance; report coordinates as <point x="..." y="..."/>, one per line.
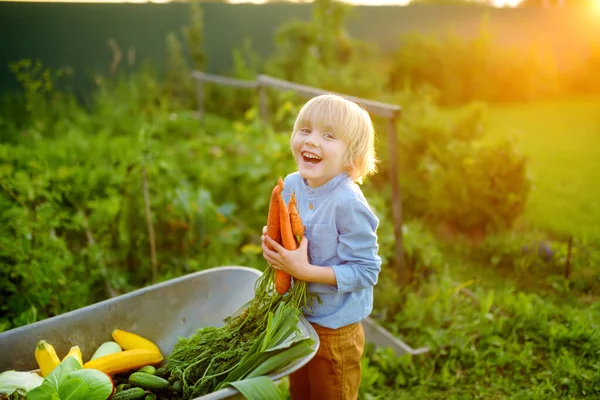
<point x="68" y="381"/>
<point x="43" y="392"/>
<point x="257" y="388"/>
<point x="100" y="385"/>
<point x="73" y="389"/>
<point x="20" y="382"/>
<point x="54" y="380"/>
<point x="259" y="340"/>
<point x="61" y="373"/>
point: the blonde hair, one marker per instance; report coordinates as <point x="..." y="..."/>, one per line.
<point x="345" y="120"/>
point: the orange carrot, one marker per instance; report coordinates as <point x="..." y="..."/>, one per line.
<point x="273" y="226"/>
<point x="295" y="220"/>
<point x="283" y="280"/>
<point x="287" y="237"/>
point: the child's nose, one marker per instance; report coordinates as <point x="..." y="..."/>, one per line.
<point x="311" y="142"/>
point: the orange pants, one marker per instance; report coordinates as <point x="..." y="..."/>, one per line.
<point x="334" y="373"/>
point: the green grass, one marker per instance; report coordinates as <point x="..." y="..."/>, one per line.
<point x="511" y="344"/>
<point x="561" y="139"/>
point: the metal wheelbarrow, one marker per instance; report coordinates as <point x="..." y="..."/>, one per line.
<point x="161" y="313"/>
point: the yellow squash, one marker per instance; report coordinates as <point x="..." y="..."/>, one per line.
<point x="130" y="341"/>
<point x="75" y="352"/>
<point x="46" y="357"/>
<point x="124" y="361"/>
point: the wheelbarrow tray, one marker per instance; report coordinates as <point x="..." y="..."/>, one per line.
<point x="162" y="313"/>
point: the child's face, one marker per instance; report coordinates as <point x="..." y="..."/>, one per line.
<point x="319" y="154"/>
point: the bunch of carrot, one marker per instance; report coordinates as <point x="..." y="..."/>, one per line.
<point x="213" y="357"/>
<point x="284" y="225"/>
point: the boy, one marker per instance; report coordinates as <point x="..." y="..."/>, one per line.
<point x="333" y="145"/>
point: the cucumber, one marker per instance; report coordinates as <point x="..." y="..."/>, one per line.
<point x="123" y="386"/>
<point x="130" y="394"/>
<point x="150" y="396"/>
<point x="149" y="369"/>
<point x="177" y="386"/>
<point x="148" y="381"/>
<point x="105" y="349"/>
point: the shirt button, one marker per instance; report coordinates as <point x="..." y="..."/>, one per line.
<point x="310" y="206"/>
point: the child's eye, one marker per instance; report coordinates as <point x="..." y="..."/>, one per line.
<point x="329" y="136"/>
<point x="305" y="130"/>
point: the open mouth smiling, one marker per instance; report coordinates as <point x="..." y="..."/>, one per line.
<point x="310" y="158"/>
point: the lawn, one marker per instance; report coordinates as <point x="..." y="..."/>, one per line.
<point x="561" y="139"/>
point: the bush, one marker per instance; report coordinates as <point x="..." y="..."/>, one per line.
<point x="450" y="176"/>
<point x="479" y="190"/>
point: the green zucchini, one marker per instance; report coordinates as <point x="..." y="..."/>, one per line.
<point x="105" y="349"/>
<point x="130" y="394"/>
<point x="148" y="381"/>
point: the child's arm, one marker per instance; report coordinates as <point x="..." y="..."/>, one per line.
<point x="357" y="247"/>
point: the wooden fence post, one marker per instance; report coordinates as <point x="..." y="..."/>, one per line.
<point x="403" y="276"/>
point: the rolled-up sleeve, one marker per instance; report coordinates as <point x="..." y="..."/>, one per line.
<point x="357" y="248"/>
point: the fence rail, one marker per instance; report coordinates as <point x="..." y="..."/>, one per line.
<point x="374" y="107"/>
<point x="390" y="112"/>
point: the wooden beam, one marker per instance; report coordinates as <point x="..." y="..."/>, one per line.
<point x="396" y="204"/>
<point x="373" y="107"/>
<point x="224" y="80"/>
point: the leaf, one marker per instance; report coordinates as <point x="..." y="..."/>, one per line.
<point x="62" y="371"/>
<point x="21" y="382"/>
<point x="100" y="385"/>
<point x="258" y="388"/>
<point x="53" y="382"/>
<point x="244" y="367"/>
<point x="43" y="392"/>
<point x="279" y="360"/>
<point x="74" y="389"/>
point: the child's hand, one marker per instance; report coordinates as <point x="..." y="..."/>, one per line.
<point x="293" y="262"/>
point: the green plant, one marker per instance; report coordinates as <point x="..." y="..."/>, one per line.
<point x="450" y="176"/>
<point x="69" y="380"/>
<point x="508" y="344"/>
<point x="478" y="189"/>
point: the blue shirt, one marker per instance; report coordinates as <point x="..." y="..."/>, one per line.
<point x="341" y="232"/>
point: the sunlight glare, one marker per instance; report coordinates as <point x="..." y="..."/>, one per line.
<point x="506" y="3"/>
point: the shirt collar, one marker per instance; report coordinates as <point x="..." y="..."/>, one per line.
<point x="326" y="187"/>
